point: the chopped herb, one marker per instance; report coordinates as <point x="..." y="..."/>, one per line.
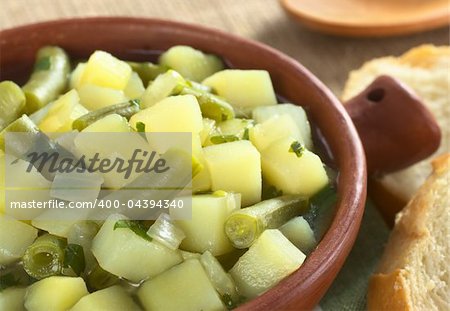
<point x="42" y="64"/>
<point x="246" y="135"/>
<point x="134" y="226"/>
<point x="74" y="258"/>
<point x="140" y="127"/>
<point x="297" y="148"/>
<point x="7" y="280"/>
<point x="220" y="139"/>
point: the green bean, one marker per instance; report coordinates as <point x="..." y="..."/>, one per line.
<point x="126" y="110"/>
<point x="147" y="71"/>
<point x="99" y="279"/>
<point x="212" y="106"/>
<point x="45" y="257"/>
<point x="49" y="78"/>
<point x="22" y="124"/>
<point x="244" y="226"/>
<point x="12" y="102"/>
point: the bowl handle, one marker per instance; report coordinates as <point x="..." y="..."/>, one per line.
<point x="395" y="128"/>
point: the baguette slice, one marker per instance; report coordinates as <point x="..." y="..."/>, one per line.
<point x="426" y="70"/>
<point x="414" y="272"/>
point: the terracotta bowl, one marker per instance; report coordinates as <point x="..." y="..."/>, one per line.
<point x="133" y="38"/>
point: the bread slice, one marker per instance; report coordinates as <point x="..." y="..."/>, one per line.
<point x="414" y="272"/>
<point x="426" y="69"/>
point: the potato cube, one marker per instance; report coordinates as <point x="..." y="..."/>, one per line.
<point x="125" y="254"/>
<point x="235" y="167"/>
<point x="205" y="230"/>
<point x="172" y="114"/>
<point x="56" y="293"/>
<point x="103" y="69"/>
<point x="298" y="231"/>
<point x="94" y="97"/>
<point x="15" y="237"/>
<point x="63" y="112"/>
<point x="184" y="287"/>
<point x="273" y="129"/>
<point x="292" y="174"/>
<point x="113" y="298"/>
<point x="135" y="87"/>
<point x="270" y="259"/>
<point x="243" y="88"/>
<point x="191" y="63"/>
<point x="296" y="113"/>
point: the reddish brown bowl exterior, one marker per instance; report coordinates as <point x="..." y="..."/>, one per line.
<point x="127" y="37"/>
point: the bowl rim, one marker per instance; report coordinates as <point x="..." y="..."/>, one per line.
<point x="330" y="253"/>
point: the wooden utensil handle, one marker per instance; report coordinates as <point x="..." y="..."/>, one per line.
<point x="395" y="128"/>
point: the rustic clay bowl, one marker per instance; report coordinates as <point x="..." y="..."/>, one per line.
<point x="132" y="38"/>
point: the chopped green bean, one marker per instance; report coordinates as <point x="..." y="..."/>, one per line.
<point x="12" y="102"/>
<point x="49" y="78"/>
<point x="126" y="110"/>
<point x="22" y="125"/>
<point x="212" y="106"/>
<point x="244" y="226"/>
<point x="147" y="71"/>
<point x="45" y="257"/>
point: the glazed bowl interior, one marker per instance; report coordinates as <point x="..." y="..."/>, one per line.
<point x="138" y="39"/>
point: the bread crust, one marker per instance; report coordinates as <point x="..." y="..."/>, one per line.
<point x="404" y="279"/>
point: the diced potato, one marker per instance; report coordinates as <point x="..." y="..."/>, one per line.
<point x="209" y="126"/>
<point x="191" y="63"/>
<point x="205" y="231"/>
<point x="298" y="231"/>
<point x="296" y="113"/>
<point x="63" y="112"/>
<point x="304" y="175"/>
<point x="163" y="86"/>
<point x="12" y="299"/>
<point x="75" y="76"/>
<point x="56" y="293"/>
<point x="135" y="88"/>
<point x="112" y="123"/>
<point x="236" y="167"/>
<point x="184" y="287"/>
<point x="273" y="129"/>
<point x="244" y="89"/>
<point x="15" y="237"/>
<point x="103" y="69"/>
<point x="201" y="181"/>
<point x="113" y="298"/>
<point x="172" y="114"/>
<point x="94" y="97"/>
<point x="270" y="259"/>
<point x="125" y="254"/>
